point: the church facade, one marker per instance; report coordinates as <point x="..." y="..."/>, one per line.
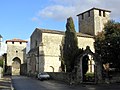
<point x="45" y="49"/>
<point x="44" y="54"/>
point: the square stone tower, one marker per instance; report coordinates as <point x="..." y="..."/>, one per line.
<point x="92" y="21"/>
<point x="15" y="48"/>
<point x="16" y="51"/>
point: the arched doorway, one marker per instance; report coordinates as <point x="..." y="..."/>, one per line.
<point x="16" y="66"/>
<point x="88" y="68"/>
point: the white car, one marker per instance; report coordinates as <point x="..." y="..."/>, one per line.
<point x="43" y="76"/>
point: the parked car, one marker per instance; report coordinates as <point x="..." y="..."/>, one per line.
<point x="43" y="76"/>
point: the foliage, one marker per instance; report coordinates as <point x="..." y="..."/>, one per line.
<point x="89" y="75"/>
<point x="1" y="62"/>
<point x="107" y="44"/>
<point x="70" y="46"/>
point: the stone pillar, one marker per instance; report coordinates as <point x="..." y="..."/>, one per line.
<point x="99" y="72"/>
<point x="1" y="72"/>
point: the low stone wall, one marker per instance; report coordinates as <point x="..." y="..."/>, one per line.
<point x="23" y="69"/>
<point x="8" y="70"/>
<point x="115" y="78"/>
<point x="61" y="76"/>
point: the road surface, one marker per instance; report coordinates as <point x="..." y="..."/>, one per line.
<point x="27" y="83"/>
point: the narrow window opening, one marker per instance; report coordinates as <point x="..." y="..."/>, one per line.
<point x="103" y="13"/>
<point x="99" y="12"/>
<point x="82" y="16"/>
<point x="36" y="43"/>
<point x="88" y="13"/>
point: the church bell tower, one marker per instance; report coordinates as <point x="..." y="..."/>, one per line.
<point x="92" y="21"/>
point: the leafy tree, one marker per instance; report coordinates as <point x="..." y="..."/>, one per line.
<point x="1" y="62"/>
<point x="107" y="44"/>
<point x="70" y="45"/>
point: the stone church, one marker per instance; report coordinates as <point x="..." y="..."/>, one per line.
<point x="44" y="54"/>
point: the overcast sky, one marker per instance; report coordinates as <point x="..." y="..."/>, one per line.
<point x="19" y="18"/>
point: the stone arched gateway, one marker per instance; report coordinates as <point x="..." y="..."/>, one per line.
<point x="96" y="67"/>
<point x="16" y="63"/>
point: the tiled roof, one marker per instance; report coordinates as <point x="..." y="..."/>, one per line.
<point x="62" y="32"/>
<point x="50" y="31"/>
<point x="16" y="40"/>
<point x="84" y="35"/>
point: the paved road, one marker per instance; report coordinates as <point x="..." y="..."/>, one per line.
<point x="26" y="83"/>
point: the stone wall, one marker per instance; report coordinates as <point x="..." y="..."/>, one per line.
<point x="51" y="44"/>
<point x="48" y="43"/>
<point x="61" y="76"/>
<point x="51" y="49"/>
<point x="1" y="72"/>
<point x="86" y="41"/>
<point x="90" y="22"/>
<point x="35" y="39"/>
<point x="114" y="77"/>
<point x="15" y="50"/>
<point x="23" y="69"/>
<point x="100" y="21"/>
<point x="86" y="24"/>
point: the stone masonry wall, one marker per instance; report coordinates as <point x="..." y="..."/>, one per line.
<point x="86" y="41"/>
<point x="100" y="21"/>
<point x="86" y="24"/>
<point x="49" y="43"/>
<point x="35" y="39"/>
<point x="60" y="76"/>
<point x="51" y="48"/>
<point x="90" y="22"/>
<point x="15" y="50"/>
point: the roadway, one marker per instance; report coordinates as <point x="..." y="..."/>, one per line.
<point x="27" y="83"/>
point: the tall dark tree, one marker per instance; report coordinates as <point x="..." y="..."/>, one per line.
<point x="70" y="45"/>
<point x="1" y="61"/>
<point x="107" y="44"/>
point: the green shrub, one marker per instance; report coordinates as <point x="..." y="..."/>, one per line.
<point x="89" y="75"/>
<point x="1" y="63"/>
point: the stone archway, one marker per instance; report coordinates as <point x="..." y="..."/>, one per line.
<point x="92" y="62"/>
<point x="16" y="66"/>
<point x="88" y="68"/>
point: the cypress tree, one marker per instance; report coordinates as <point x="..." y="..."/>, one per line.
<point x="70" y="45"/>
